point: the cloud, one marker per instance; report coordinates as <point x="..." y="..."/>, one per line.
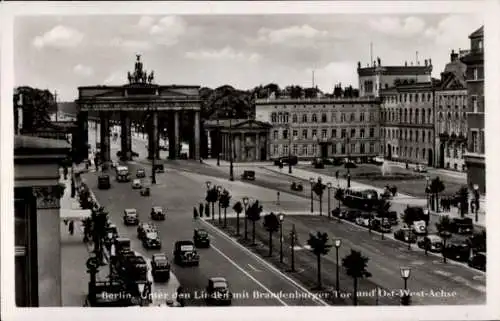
<point x="145" y="22"/>
<point x="398" y="27"/>
<point x="130" y="44"/>
<point x="452" y="31"/>
<point x="115" y="78"/>
<point x="227" y="53"/>
<point x="83" y="70"/>
<point x="59" y="37"/>
<point x="335" y="72"/>
<point x="290" y="34"/>
<point x="168" y="30"/>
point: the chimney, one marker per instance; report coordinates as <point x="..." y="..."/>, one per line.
<point x="453" y="56"/>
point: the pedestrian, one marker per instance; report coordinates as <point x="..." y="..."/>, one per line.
<point x="72" y="188"/>
<point x="195" y="213"/>
<point x="200" y="209"/>
<point x="71" y="227"/>
<point x="65" y="172"/>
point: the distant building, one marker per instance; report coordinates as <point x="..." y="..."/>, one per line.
<point x="475" y="157"/>
<point x="322" y="127"/>
<point x="451" y="115"/>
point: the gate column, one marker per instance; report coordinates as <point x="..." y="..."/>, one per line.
<point x="105" y="142"/>
<point x="196" y="135"/>
<point x="176" y="135"/>
<point x="126" y="139"/>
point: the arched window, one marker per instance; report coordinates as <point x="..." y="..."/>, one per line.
<point x="423" y="153"/>
<point x="400" y="115"/>
<point x="286" y="117"/>
<point x="304" y="118"/>
<point x="406" y="134"/>
<point x="411" y="135"/>
<point x="323" y="118"/>
<point x="417" y="116"/>
<point x="411" y="116"/>
<point x="273" y="118"/>
<point x="294" y="118"/>
<point x="429" y="116"/>
<point x="314" y="118"/>
<point x="416" y="152"/>
<point x="406" y="115"/>
<point x="280" y="117"/>
<point x="423" y="136"/>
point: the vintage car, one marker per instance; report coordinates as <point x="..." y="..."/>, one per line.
<point x="339" y="213"/>
<point x="318" y="163"/>
<point x="297" y="187"/>
<point x="160" y="267"/>
<point x="130" y="216"/>
<point x="420" y="169"/>
<point x="419" y="227"/>
<point x="352" y="215"/>
<point x="218" y="292"/>
<point x="145" y="191"/>
<point x="122" y="244"/>
<point x="111" y="231"/>
<point x="140" y="173"/>
<point x="157" y="213"/>
<point x="432" y="243"/>
<point x="151" y="240"/>
<point x="248" y="175"/>
<point x="185" y="253"/>
<point x="103" y="182"/>
<point x="381" y="225"/>
<point x="350" y="164"/>
<point x="462" y="225"/>
<point x="200" y="238"/>
<point x="159" y="168"/>
<point x="292" y="160"/>
<point x="136" y="183"/>
<point x="478" y="261"/>
<point x="405" y="235"/>
<point x="144" y="228"/>
<point x="364" y="219"/>
<point x="457" y="249"/>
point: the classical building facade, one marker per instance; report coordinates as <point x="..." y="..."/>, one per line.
<point x="322" y="127"/>
<point x="139" y="95"/>
<point x="37" y="220"/>
<point x="451" y="115"/>
<point x="408" y="123"/>
<point x="475" y="156"/>
<point x="247" y="139"/>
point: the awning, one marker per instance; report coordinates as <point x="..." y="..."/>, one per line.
<point x="75" y="214"/>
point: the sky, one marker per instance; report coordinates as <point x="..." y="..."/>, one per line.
<point x="64" y="52"/>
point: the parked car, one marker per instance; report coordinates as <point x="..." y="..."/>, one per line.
<point x="419" y="227"/>
<point x="200" y="238"/>
<point x="157" y="213"/>
<point x="103" y="182"/>
<point x="462" y="225"/>
<point x="136" y="183"/>
<point x="420" y="169"/>
<point x="297" y="187"/>
<point x="392" y="217"/>
<point x="351" y="215"/>
<point x="248" y="175"/>
<point x="432" y="242"/>
<point x="140" y="173"/>
<point x="478" y="261"/>
<point x="405" y="235"/>
<point x="159" y="168"/>
<point x="381" y="225"/>
<point x="350" y="164"/>
<point x="337" y="212"/>
<point x="130" y="216"/>
<point x="364" y="219"/>
<point x="318" y="163"/>
<point x="292" y="160"/>
<point x="151" y="240"/>
<point x="457" y="249"/>
<point x="337" y="161"/>
<point x="160" y="267"/>
<point x="185" y="253"/>
<point x="145" y="191"/>
<point x="144" y="228"/>
<point x="218" y="292"/>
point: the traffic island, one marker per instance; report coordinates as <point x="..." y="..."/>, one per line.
<point x="305" y="265"/>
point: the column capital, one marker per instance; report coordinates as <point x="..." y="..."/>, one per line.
<point x="48" y="197"/>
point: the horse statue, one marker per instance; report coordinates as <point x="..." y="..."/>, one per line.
<point x="151" y="77"/>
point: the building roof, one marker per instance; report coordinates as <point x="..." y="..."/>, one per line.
<point x="395" y="70"/>
<point x="479" y="33"/>
<point x="31" y="142"/>
<point x="236" y="123"/>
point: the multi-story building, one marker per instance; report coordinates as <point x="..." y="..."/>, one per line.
<point x="408" y="122"/>
<point x="451" y="115"/>
<point x="475" y="158"/>
<point x="322" y="127"/>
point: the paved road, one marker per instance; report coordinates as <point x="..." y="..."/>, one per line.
<point x="251" y="280"/>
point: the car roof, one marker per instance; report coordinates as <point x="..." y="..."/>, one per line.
<point x="434" y="237"/>
<point x="157" y="208"/>
<point x="184" y="242"/>
<point x="130" y="210"/>
<point x="218" y="279"/>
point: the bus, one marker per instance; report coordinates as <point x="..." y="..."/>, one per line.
<point x="361" y="199"/>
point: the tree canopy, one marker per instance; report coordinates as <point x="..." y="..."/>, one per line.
<point x="37" y="104"/>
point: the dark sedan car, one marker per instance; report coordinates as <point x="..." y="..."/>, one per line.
<point x="141" y="173"/>
<point x="457" y="249"/>
<point x="478" y="261"/>
<point x="151" y="240"/>
<point x="405" y="235"/>
<point x="160" y="267"/>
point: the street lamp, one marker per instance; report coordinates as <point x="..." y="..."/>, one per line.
<point x="329" y="186"/>
<point x="245" y="204"/>
<point x="427" y="191"/>
<point x="311" y="180"/>
<point x="293" y="237"/>
<point x="281" y="217"/>
<point x="348" y="161"/>
<point x="338" y="243"/>
<point x="476" y="200"/>
<point x="370" y="214"/>
<point x="219" y="192"/>
<point x="405" y="274"/>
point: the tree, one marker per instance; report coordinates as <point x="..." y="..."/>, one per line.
<point x="212" y="197"/>
<point x="253" y="214"/>
<point x="36" y="106"/>
<point x="318" y="189"/>
<point x="383" y="208"/>
<point x="272" y="225"/>
<point x="436" y="187"/>
<point x="409" y="216"/>
<point x="355" y="264"/>
<point x="444" y="227"/>
<point x="319" y="246"/>
<point x="238" y="208"/>
<point x="207" y="210"/>
<point x="225" y="199"/>
<point x="462" y="199"/>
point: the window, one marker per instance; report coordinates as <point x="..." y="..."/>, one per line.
<point x="314" y="149"/>
<point x="475" y="74"/>
<point x="280" y="117"/>
<point x="285" y="134"/>
<point x="275" y="150"/>
<point x="448" y="151"/>
<point x="473" y="101"/>
<point x="455" y="152"/>
<point x="334" y="116"/>
<point x="334" y="149"/>
<point x="372" y="116"/>
<point x="416" y="135"/>
<point x="362" y="133"/>
<point x="304" y="118"/>
<point x="273" y="117"/>
<point x="286" y="117"/>
<point x="295" y="133"/>
<point x="314" y="118"/>
<point x="323" y="133"/>
<point x="423" y="136"/>
<point x="480" y="45"/>
<point x="275" y="135"/>
<point x="314" y="133"/>
<point x="343" y="133"/>
<point x="353" y="148"/>
<point x="353" y="132"/>
<point x="423" y="153"/>
<point x="294" y="118"/>
<point x="410" y="97"/>
<point x="304" y="133"/>
<point x="406" y="115"/>
<point x="285" y="149"/>
<point x="429" y="137"/>
<point x="475" y="141"/>
<point x="362" y="117"/>
<point x="323" y="118"/>
<point x="294" y="149"/>
<point x="353" y="117"/>
<point x="362" y="148"/>
<point x="416" y="153"/>
<point x="411" y="135"/>
<point x="334" y="133"/>
<point x="417" y="116"/>
<point x="304" y="150"/>
<point x="342" y="148"/>
<point x="372" y="148"/>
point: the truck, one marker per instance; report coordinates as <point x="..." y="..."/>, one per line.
<point x="122" y="174"/>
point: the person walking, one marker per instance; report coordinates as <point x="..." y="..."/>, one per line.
<point x="71" y="227"/>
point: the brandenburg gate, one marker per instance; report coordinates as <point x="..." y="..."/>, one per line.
<point x="141" y="94"/>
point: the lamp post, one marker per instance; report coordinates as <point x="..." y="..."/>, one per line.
<point x="245" y="205"/>
<point x="427" y="191"/>
<point x="293" y="237"/>
<point x="348" y="161"/>
<point x="405" y="274"/>
<point x="311" y="180"/>
<point x="338" y="243"/>
<point x="219" y="193"/>
<point x="209" y="185"/>
<point x="370" y="214"/>
<point x="329" y="186"/>
<point x="476" y="200"/>
<point x="281" y="217"/>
